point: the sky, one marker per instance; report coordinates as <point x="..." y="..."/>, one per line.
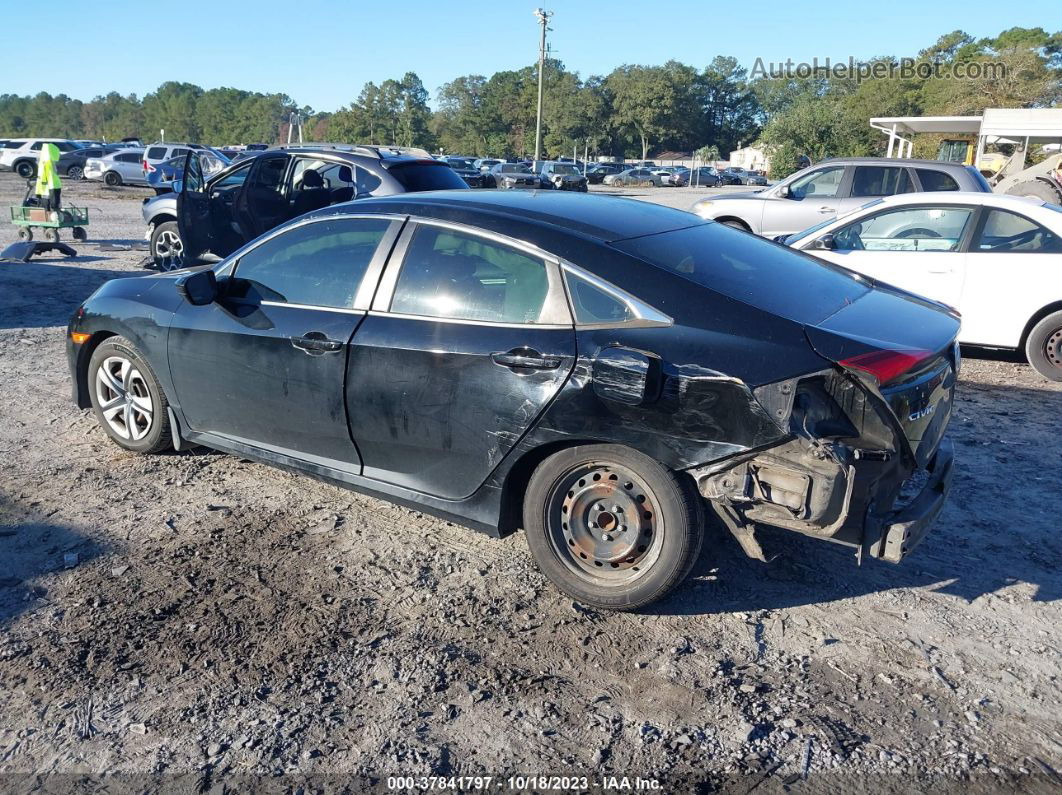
<point x="322" y="53"/>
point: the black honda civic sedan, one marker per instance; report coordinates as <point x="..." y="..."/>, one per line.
<point x="597" y="371"/>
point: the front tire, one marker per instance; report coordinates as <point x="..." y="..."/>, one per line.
<point x="167" y="250"/>
<point x="112" y="179"/>
<point x="127" y="399"/>
<point x="611" y="527"/>
<point x="1043" y="348"/>
<point x="76" y="173"/>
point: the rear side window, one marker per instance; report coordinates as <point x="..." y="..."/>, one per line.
<point x="750" y="269"/>
<point x="1010" y="232"/>
<point x="932" y="179"/>
<point x="14" y="144"/>
<point x="156" y="153"/>
<point x="128" y="157"/>
<point x="880" y="181"/>
<point x="594" y="305"/>
<point x="317" y="264"/>
<point x="426" y="175"/>
<point x="178" y="153"/>
<point x="453" y="275"/>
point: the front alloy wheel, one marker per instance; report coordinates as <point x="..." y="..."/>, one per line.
<point x="166" y="247"/>
<point x="610" y="526"/>
<point x="126" y="397"/>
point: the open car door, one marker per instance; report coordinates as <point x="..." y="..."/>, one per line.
<point x="194" y="220"/>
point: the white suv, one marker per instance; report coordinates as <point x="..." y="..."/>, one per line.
<point x="20" y="154"/>
<point x="161" y="152"/>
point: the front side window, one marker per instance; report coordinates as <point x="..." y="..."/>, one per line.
<point x="233" y="179"/>
<point x="270" y="173"/>
<point x="317" y="264"/>
<point x="932" y="179"/>
<point x="825" y="183"/>
<point x="880" y="181"/>
<point x="454" y="275"/>
<point x="1005" y="231"/>
<point x="912" y="229"/>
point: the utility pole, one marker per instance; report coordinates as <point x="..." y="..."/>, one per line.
<point x="543" y="19"/>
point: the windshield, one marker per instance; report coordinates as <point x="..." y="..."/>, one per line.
<point x="458" y="162"/>
<point x="563" y="168"/>
<point x="515" y="168"/>
<point x="750" y="269"/>
<point x="417" y="175"/>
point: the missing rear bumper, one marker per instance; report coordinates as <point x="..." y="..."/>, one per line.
<point x="904" y="528"/>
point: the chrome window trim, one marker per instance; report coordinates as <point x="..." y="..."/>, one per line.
<point x="556" y="310"/>
<point x="645" y="316"/>
<point x="315" y="307"/>
<point x="465" y="322"/>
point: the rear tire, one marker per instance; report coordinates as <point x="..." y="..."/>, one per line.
<point x="51" y="235"/>
<point x="79" y="233"/>
<point x="645" y="544"/>
<point x="112" y="178"/>
<point x="26" y="169"/>
<point x="25" y="234"/>
<point x="1043" y="348"/>
<point x="1037" y="189"/>
<point x="126" y="398"/>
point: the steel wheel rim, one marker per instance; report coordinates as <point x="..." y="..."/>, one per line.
<point x="1053" y="348"/>
<point x="603" y="524"/>
<point x="169" y="251"/>
<point x="124" y="399"/>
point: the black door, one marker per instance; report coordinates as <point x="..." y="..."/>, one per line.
<point x="194" y="220"/>
<point x="263" y="203"/>
<point x="476" y="341"/>
<point x="266" y="363"/>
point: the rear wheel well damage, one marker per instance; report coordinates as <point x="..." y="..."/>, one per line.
<point x="83" y="357"/>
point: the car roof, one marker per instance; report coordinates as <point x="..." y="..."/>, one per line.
<point x="889" y="161"/>
<point x="960" y="197"/>
<point x="534" y="215"/>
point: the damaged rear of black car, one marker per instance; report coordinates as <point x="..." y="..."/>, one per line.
<point x="596" y="371"/>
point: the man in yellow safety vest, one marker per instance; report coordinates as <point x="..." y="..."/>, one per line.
<point x="48" y="182"/>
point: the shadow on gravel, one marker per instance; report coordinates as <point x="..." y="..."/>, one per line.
<point x="43" y="293"/>
<point x="30" y="548"/>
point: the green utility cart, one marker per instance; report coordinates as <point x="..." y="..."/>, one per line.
<point x="50" y="221"/>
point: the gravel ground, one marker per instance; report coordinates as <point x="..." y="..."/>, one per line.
<point x="190" y="619"/>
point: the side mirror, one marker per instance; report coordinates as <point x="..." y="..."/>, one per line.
<point x="825" y="242"/>
<point x="783" y="191"/>
<point x="199" y="288"/>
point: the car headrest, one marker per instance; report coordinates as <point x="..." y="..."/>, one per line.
<point x="345" y="174"/>
<point x="312" y="179"/>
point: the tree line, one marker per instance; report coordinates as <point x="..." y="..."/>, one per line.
<point x="633" y="111"/>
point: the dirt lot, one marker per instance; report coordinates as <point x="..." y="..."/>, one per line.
<point x="191" y="619"/>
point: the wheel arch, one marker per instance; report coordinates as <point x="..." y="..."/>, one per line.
<point x="1036" y="318"/>
<point x="84" y="355"/>
<point x="722" y="219"/>
<point x="514" y="486"/>
<point x="161" y="218"/>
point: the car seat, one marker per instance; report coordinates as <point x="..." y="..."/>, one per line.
<point x="312" y="194"/>
<point x="345" y="192"/>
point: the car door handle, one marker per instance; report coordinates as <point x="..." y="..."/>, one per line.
<point x="827" y="209"/>
<point x="526" y="359"/>
<point x="316" y="343"/>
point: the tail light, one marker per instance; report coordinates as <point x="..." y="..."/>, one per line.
<point x="886" y="365"/>
<point x="148" y="168"/>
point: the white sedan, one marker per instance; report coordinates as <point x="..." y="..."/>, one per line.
<point x="997" y="259"/>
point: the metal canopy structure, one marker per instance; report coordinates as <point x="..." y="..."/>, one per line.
<point x="997" y="125"/>
<point x="901" y="129"/>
